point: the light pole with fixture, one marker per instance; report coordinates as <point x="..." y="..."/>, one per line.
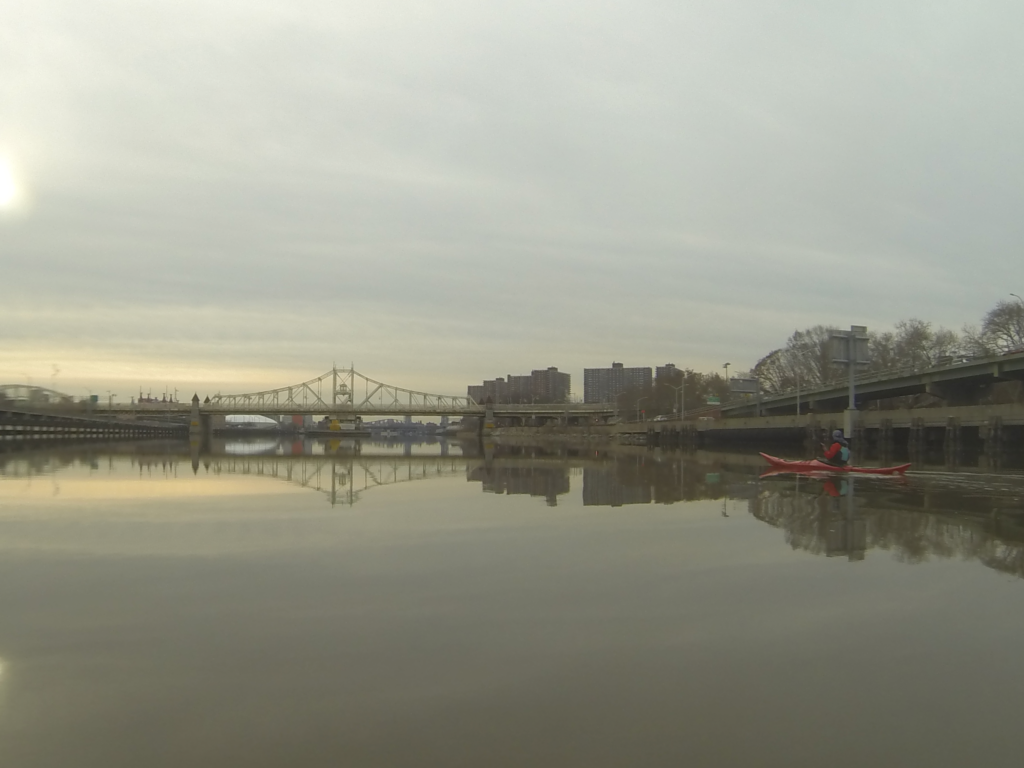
<point x="681" y="390"/>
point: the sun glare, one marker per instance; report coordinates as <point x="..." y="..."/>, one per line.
<point x="8" y="189"/>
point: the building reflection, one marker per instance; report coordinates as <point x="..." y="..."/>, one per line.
<point x="603" y="488"/>
<point x="546" y="482"/>
<point x="975" y="517"/>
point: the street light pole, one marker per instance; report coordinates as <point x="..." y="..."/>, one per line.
<point x="681" y="390"/>
<point x="726" y="366"/>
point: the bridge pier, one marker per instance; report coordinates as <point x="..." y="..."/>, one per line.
<point x="916" y="440"/>
<point x="951" y="441"/>
<point x="850" y="423"/>
<point x="885" y="440"/>
<point x="858" y="435"/>
<point x="992" y="441"/>
<point x="885" y="437"/>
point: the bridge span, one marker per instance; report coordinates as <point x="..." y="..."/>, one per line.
<point x="341" y="393"/>
<point x="956" y="384"/>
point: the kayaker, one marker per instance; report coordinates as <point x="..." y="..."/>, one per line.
<point x="837" y="454"/>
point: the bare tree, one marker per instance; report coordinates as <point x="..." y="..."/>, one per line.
<point x="774" y="372"/>
<point x="806" y="360"/>
<point x="1002" y="329"/>
<point x="975" y="343"/>
<point x="913" y="343"/>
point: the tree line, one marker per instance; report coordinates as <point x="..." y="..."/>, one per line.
<point x="806" y="358"/>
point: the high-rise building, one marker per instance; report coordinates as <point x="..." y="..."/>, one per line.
<point x="541" y="386"/>
<point x="495" y="391"/>
<point x="666" y="373"/>
<point x="520" y="388"/>
<point x="603" y="385"/>
<point x="550" y="386"/>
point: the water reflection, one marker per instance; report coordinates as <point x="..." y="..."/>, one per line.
<point x="930" y="515"/>
<point x="177" y="606"/>
<point x="942" y="516"/>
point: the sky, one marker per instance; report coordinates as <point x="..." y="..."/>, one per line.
<point x="231" y="196"/>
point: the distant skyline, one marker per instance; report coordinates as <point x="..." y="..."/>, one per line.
<point x="219" y="196"/>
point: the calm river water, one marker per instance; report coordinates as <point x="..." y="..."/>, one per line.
<point x="340" y="604"/>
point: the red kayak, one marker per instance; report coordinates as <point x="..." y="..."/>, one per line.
<point x="814" y="465"/>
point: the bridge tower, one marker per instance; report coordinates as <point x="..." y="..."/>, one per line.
<point x="195" y="428"/>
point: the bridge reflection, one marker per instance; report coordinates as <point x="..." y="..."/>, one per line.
<point x="929" y="516"/>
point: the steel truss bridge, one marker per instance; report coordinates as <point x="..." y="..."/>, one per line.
<point x="341" y="392"/>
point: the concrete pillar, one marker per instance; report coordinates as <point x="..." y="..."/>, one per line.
<point x="857" y="435"/>
<point x="885" y="438"/>
<point x="916" y="440"/>
<point x="849" y="421"/>
<point x="992" y="437"/>
<point x="951" y="438"/>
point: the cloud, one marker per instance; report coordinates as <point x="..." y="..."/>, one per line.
<point x="455" y="192"/>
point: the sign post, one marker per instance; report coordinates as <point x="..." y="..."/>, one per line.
<point x="850" y="348"/>
<point x="747" y="384"/>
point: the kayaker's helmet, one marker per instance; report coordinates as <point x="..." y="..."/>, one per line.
<point x="837" y="435"/>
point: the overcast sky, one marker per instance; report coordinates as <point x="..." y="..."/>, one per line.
<point x="229" y="196"/>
